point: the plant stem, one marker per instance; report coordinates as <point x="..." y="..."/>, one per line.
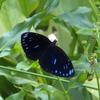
<point x="90" y="87"/>
<point x="45" y="76"/>
<point x="31" y="73"/>
<point x="97" y="78"/>
<point x="92" y="3"/>
<point x="65" y="92"/>
<point x="8" y="60"/>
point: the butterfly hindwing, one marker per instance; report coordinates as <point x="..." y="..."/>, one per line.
<point x="55" y="61"/>
<point x="34" y="44"/>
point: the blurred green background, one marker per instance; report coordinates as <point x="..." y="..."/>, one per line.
<point x="76" y="25"/>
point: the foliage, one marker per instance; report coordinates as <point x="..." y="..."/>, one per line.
<point x="76" y="24"/>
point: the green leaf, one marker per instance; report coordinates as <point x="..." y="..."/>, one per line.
<point x="83" y="10"/>
<point x="18" y="77"/>
<point x="23" y="66"/>
<point x="82" y="77"/>
<point x="4" y="61"/>
<point x="77" y="18"/>
<point x="45" y="92"/>
<point x="82" y="65"/>
<point x="5" y="52"/>
<point x="85" y="31"/>
<point x="6" y="87"/>
<point x="1" y="3"/>
<point x="28" y="6"/>
<point x="97" y="68"/>
<point x="17" y="96"/>
<point x="50" y="5"/>
<point x="9" y="15"/>
<point x="22" y="81"/>
<point x="81" y="94"/>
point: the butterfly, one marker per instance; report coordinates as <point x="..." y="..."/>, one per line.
<point x="51" y="58"/>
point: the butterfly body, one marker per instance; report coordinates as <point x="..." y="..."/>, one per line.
<point x="51" y="58"/>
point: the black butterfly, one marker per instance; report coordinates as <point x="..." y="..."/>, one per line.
<point x="51" y="58"/>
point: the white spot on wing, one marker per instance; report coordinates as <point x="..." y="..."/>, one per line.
<point x="56" y="71"/>
<point x="70" y="72"/>
<point x="36" y="46"/>
<point x="63" y="74"/>
<point x="31" y="39"/>
<point x="67" y="74"/>
<point x="66" y="66"/>
<point x="27" y="48"/>
<point x="55" y="60"/>
<point x="26" y="35"/>
<point x="60" y="72"/>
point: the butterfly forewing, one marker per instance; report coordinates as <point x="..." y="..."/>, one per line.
<point x="55" y="61"/>
<point x="34" y="44"/>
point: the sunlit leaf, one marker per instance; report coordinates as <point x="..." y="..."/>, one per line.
<point x="17" y="96"/>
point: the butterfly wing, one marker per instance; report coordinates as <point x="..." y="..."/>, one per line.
<point x="34" y="44"/>
<point x="55" y="61"/>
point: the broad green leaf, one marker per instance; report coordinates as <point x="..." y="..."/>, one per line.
<point x="50" y="5"/>
<point x="5" y="61"/>
<point x="23" y="81"/>
<point x="23" y="66"/>
<point x="10" y="15"/>
<point x="83" y="10"/>
<point x="94" y="92"/>
<point x="67" y="5"/>
<point x="47" y="5"/>
<point x="17" y="96"/>
<point x="81" y="94"/>
<point x="46" y="92"/>
<point x="1" y="3"/>
<point x="82" y="65"/>
<point x="85" y="31"/>
<point x="6" y="87"/>
<point x="28" y="6"/>
<point x="64" y="39"/>
<point x="76" y="18"/>
<point x="82" y="77"/>
<point x="5" y="52"/>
